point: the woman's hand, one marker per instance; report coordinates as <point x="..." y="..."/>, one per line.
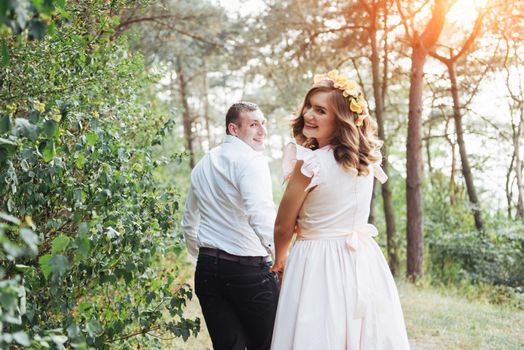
<point x="278" y="268"/>
<point x="286" y="221"/>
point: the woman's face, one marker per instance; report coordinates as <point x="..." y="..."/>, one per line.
<point x="319" y="120"/>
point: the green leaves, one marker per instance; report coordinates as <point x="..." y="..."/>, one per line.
<point x="49" y="151"/>
<point x="74" y="154"/>
<point x="92" y="138"/>
<point x="59" y="265"/>
<point x="60" y="243"/>
<point x="45" y="266"/>
<point x="4" y="54"/>
<point x="5" y="123"/>
<point x="24" y="128"/>
<point x="51" y="128"/>
<point x="30" y="238"/>
<point x="94" y="328"/>
<point x="53" y="265"/>
<point x="80" y="161"/>
<point x="21" y="338"/>
<point x="10" y="218"/>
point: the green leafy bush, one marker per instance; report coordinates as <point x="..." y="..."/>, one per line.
<point x="495" y="259"/>
<point x="491" y="262"/>
<point x="76" y="156"/>
<point x="18" y="241"/>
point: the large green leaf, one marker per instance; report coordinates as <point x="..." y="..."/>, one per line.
<point x="7" y="142"/>
<point x="21" y="338"/>
<point x="6" y="123"/>
<point x="60" y="243"/>
<point x="37" y="4"/>
<point x="7" y="149"/>
<point x="30" y="238"/>
<point x="83" y="247"/>
<point x="24" y="127"/>
<point x="59" y="265"/>
<point x="51" y="128"/>
<point x="9" y="218"/>
<point x="80" y="161"/>
<point x="49" y="151"/>
<point x="91" y="138"/>
<point x="44" y="262"/>
<point x="94" y="328"/>
<point x="37" y="29"/>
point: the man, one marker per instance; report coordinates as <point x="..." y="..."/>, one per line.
<point x="228" y="223"/>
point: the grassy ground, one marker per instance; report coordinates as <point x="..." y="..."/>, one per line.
<point x="438" y="321"/>
<point x="434" y="320"/>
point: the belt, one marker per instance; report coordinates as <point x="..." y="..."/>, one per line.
<point x="242" y="260"/>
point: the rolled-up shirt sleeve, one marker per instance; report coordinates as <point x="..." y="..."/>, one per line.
<point x="254" y="181"/>
<point x="190" y="223"/>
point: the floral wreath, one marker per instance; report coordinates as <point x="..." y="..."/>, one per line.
<point x="350" y="90"/>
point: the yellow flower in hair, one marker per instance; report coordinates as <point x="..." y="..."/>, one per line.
<point x="352" y="88"/>
<point x="340" y="81"/>
<point x="350" y="93"/>
<point x="358" y="106"/>
<point x="318" y="77"/>
<point x="332" y="74"/>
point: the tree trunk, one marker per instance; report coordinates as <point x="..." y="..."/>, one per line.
<point x="378" y="94"/>
<point x="452" y="187"/>
<point x="420" y="46"/>
<point x="519" y="165"/>
<point x="415" y="238"/>
<point x="428" y="152"/>
<point x="509" y="192"/>
<point x="186" y="116"/>
<point x="206" y="108"/>
<point x="466" y="168"/>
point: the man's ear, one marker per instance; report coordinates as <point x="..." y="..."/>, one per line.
<point x="233" y="129"/>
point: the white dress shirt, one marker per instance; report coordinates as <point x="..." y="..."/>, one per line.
<point x="230" y="202"/>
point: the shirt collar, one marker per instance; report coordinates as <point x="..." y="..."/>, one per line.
<point x="239" y="143"/>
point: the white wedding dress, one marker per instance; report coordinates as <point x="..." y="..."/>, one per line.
<point x="337" y="291"/>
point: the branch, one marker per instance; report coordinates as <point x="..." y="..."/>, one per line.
<point x="192" y="36"/>
<point x="131" y="21"/>
<point x="438" y="16"/>
<point x="474" y="33"/>
<point x="404" y="21"/>
<point x="482" y="76"/>
<point x="385" y="66"/>
<point x="360" y="80"/>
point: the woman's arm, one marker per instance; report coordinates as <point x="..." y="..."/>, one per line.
<point x="288" y="210"/>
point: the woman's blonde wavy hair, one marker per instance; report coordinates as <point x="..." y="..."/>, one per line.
<point x="354" y="147"/>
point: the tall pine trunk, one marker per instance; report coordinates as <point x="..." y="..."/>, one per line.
<point x="186" y="115"/>
<point x="415" y="238"/>
<point x="420" y="46"/>
<point x="378" y="94"/>
<point x="518" y="163"/>
<point x="466" y="168"/>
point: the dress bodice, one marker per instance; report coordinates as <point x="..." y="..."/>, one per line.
<point x="339" y="200"/>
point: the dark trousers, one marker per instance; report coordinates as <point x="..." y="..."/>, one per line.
<point x="238" y="301"/>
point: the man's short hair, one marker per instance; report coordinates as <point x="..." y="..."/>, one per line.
<point x="233" y="114"/>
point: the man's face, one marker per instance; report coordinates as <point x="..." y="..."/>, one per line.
<point x="251" y="129"/>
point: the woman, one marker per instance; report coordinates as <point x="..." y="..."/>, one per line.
<point x="337" y="290"/>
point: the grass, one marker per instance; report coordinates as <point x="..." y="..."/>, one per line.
<point x="435" y="320"/>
